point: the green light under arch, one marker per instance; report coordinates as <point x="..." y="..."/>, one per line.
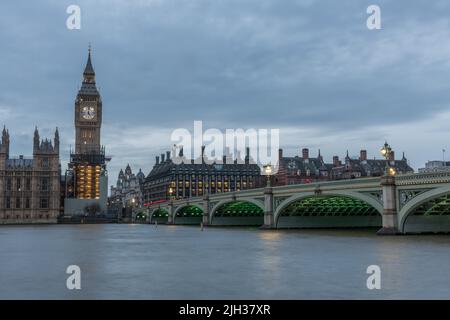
<point x="329" y="206"/>
<point x="190" y="211"/>
<point x="239" y="209"/>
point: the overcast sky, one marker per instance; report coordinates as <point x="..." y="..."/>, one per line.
<point x="310" y="68"/>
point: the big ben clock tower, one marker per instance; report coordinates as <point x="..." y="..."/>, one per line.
<point x="88" y="113"/>
<point x="86" y="178"/>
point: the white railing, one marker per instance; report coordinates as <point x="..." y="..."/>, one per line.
<point x="422" y="178"/>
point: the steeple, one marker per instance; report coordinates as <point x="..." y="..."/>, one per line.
<point x="5" y="135"/>
<point x="128" y="170"/>
<point x="88" y="86"/>
<point x="36" y="140"/>
<point x="89" y="70"/>
<point x="56" y="140"/>
<point x="4" y="144"/>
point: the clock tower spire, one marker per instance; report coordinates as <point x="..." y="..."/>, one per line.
<point x="89" y="73"/>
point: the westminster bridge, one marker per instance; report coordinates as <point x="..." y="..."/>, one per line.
<point x="410" y="203"/>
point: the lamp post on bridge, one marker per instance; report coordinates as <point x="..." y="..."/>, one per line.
<point x="390" y="217"/>
<point x="268" y="172"/>
<point x="386" y="152"/>
<point x="268" y="199"/>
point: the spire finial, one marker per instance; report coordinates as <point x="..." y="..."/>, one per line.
<point x="89" y="70"/>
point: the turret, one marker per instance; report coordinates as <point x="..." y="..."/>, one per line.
<point x="36" y="140"/>
<point x="4" y="145"/>
<point x="56" y="146"/>
<point x="305" y="153"/>
<point x="128" y="171"/>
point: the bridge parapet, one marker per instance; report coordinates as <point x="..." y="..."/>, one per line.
<point x="422" y="178"/>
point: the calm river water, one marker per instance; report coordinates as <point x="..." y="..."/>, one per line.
<point x="176" y="262"/>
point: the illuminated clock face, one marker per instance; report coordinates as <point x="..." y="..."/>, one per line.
<point x="88" y="112"/>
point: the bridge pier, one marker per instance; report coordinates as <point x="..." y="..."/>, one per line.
<point x="170" y="218"/>
<point x="205" y="219"/>
<point x="390" y="217"/>
<point x="269" y="219"/>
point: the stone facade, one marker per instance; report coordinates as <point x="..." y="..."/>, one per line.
<point x="301" y="169"/>
<point x="128" y="190"/>
<point x="30" y="188"/>
<point x="363" y="167"/>
<point x="435" y="166"/>
<point x="306" y="169"/>
<point x="168" y="180"/>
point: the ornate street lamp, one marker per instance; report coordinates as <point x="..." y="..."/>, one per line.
<point x="268" y="172"/>
<point x="386" y="152"/>
<point x="170" y="193"/>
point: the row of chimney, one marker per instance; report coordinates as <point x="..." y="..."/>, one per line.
<point x="225" y="159"/>
<point x="305" y="155"/>
<point x="336" y="161"/>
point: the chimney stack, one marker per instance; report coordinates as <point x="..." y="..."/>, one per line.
<point x="157" y="159"/>
<point x="391" y="156"/>
<point x="168" y="155"/>
<point x="162" y="157"/>
<point x="305" y="153"/>
<point x="363" y="155"/>
<point x="280" y="154"/>
<point x="203" y="154"/>
<point x="336" y="162"/>
<point x="247" y="155"/>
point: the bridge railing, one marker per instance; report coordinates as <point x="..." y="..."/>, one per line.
<point x="422" y="178"/>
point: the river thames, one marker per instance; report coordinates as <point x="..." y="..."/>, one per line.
<point x="177" y="262"/>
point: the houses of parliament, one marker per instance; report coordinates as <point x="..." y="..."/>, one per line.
<point x="33" y="190"/>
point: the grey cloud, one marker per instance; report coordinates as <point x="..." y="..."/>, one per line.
<point x="234" y="63"/>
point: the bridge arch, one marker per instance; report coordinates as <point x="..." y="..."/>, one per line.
<point x="141" y="217"/>
<point x="178" y="210"/>
<point x="418" y="215"/>
<point x="238" y="212"/>
<point x="159" y="215"/>
<point x="188" y="214"/>
<point x="353" y="209"/>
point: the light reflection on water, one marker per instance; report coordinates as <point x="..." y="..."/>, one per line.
<point x="144" y="262"/>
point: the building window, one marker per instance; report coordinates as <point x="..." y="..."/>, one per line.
<point x="45" y="163"/>
<point x="28" y="184"/>
<point x="8" y="203"/>
<point x="8" y="184"/>
<point x="27" y="203"/>
<point x="44" y="203"/>
<point x="44" y="184"/>
<point x="19" y="184"/>
<point x="17" y="203"/>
